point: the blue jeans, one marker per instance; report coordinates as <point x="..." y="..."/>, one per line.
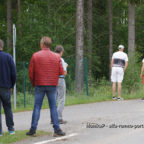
<point x="5" y="99"/>
<point x="51" y="92"/>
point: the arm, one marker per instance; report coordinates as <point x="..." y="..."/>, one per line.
<point x="31" y="71"/>
<point x="142" y="69"/>
<point x="112" y="61"/>
<point x="13" y="73"/>
<point x="126" y="65"/>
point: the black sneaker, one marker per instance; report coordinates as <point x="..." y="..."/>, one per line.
<point x="142" y="99"/>
<point x="61" y="121"/>
<point x="31" y="133"/>
<point x="58" y="133"/>
<point x="114" y="97"/>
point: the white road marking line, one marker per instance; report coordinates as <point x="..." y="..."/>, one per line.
<point x="43" y="142"/>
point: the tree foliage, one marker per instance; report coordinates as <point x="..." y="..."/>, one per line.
<point x="57" y="19"/>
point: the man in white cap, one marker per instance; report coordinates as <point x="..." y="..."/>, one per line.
<point x="119" y="64"/>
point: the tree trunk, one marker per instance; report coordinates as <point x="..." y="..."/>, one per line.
<point x="79" y="69"/>
<point x="110" y="37"/>
<point x="131" y="29"/>
<point x="9" y="23"/>
<point x="19" y="17"/>
<point x="89" y="29"/>
<point x="48" y="13"/>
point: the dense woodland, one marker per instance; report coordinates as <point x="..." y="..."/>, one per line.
<point x="85" y="28"/>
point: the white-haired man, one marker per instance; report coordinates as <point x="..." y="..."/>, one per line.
<point x="119" y="64"/>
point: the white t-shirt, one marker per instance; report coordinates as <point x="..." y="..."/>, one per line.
<point x="63" y="63"/>
<point x="143" y="60"/>
<point x="120" y="55"/>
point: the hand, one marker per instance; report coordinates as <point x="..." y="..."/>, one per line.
<point x="11" y="89"/>
<point x="66" y="65"/>
<point x="141" y="76"/>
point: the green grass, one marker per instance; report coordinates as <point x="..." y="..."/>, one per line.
<point x="102" y="93"/>
<point x="99" y="98"/>
<point x="19" y="136"/>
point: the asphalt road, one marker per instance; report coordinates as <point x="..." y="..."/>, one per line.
<point x="111" y="121"/>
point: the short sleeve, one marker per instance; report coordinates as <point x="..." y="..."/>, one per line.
<point x="63" y="63"/>
<point x="113" y="56"/>
<point x="126" y="59"/>
<point x="143" y="60"/>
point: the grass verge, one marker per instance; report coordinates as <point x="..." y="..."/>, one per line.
<point x="103" y="93"/>
<point x="19" y="136"/>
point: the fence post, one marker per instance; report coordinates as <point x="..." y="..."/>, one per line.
<point x="14" y="58"/>
<point x="86" y="76"/>
<point x="24" y="82"/>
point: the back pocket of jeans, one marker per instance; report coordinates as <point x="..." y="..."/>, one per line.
<point x="6" y="95"/>
<point x="37" y="91"/>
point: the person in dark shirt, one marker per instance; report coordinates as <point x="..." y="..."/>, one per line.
<point x="7" y="82"/>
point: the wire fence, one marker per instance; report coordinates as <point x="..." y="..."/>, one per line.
<point x="25" y="91"/>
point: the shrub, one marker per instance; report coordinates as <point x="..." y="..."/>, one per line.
<point x="132" y="80"/>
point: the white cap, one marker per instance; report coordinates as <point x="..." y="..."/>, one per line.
<point x="120" y="47"/>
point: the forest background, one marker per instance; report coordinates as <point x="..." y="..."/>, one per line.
<point x="100" y="25"/>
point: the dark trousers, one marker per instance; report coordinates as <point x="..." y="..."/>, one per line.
<point x="5" y="99"/>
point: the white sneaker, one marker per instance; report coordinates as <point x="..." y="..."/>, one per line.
<point x="120" y="98"/>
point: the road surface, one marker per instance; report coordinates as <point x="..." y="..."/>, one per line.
<point x="111" y="122"/>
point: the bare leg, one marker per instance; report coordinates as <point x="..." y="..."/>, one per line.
<point x="114" y="88"/>
<point x="119" y="90"/>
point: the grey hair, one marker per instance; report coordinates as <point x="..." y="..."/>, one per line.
<point x="1" y="44"/>
<point x="46" y="41"/>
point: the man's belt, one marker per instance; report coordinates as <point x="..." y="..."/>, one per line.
<point x="62" y="77"/>
<point x="119" y="66"/>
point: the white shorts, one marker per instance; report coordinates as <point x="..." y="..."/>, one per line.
<point x="117" y="74"/>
